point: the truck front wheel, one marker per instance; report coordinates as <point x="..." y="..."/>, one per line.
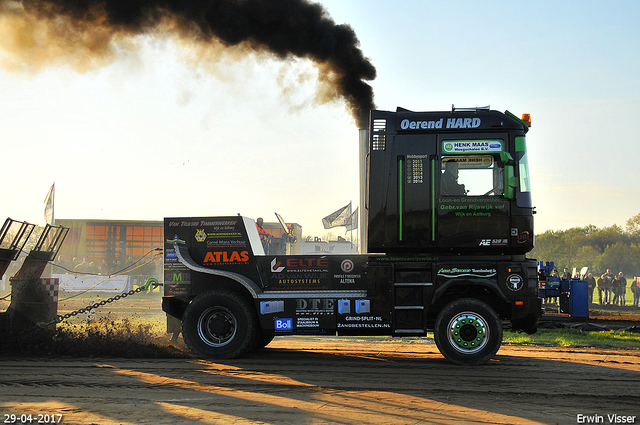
<point x="468" y="332"/>
<point x="219" y="324"/>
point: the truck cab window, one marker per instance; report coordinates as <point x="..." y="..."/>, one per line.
<point x="471" y="175"/>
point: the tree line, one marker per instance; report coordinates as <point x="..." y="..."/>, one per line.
<point x="614" y="247"/>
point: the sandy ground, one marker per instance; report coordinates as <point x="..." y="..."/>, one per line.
<point x="313" y="380"/>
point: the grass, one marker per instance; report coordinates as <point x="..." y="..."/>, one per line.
<point x="575" y="338"/>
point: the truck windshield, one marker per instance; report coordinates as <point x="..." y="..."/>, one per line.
<point x="477" y="175"/>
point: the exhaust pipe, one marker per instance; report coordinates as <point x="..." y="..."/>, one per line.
<point x="363" y="215"/>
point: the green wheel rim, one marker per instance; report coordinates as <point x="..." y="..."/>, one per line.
<point x="468" y="332"/>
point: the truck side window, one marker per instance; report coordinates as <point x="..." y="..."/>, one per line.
<point x="471" y="175"/>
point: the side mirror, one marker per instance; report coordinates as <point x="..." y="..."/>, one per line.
<point x="510" y="182"/>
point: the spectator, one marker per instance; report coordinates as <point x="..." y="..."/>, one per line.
<point x="61" y="266"/>
<point x="615" y="290"/>
<point x="622" y="289"/>
<point x="591" y="285"/>
<point x="83" y="267"/>
<point x="635" y="290"/>
<point x="604" y="286"/>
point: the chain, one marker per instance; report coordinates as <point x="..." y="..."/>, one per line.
<point x="151" y="281"/>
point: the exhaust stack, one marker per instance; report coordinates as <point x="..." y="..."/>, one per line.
<point x="363" y="215"/>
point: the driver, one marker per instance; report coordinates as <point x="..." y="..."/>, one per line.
<point x="262" y="232"/>
<point x="449" y="182"/>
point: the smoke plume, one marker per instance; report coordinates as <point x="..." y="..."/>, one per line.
<point x="47" y="32"/>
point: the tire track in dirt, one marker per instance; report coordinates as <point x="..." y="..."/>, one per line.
<point x="329" y="380"/>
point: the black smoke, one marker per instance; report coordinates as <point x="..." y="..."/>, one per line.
<point x="283" y="28"/>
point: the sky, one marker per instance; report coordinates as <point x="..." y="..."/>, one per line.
<point x="157" y="131"/>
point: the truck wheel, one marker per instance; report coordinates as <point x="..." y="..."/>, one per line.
<point x="468" y="332"/>
<point x="219" y="324"/>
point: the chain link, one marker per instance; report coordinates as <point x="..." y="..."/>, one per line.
<point x="61" y="317"/>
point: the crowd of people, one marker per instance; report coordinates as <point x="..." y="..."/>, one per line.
<point x="612" y="288"/>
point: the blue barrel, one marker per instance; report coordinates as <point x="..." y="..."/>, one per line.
<point x="579" y="299"/>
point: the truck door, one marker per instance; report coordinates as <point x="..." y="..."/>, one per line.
<point x="472" y="211"/>
<point x="415" y="224"/>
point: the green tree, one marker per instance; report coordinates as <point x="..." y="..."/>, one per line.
<point x="618" y="258"/>
<point x="587" y="256"/>
<point x="607" y="236"/>
<point x="633" y="228"/>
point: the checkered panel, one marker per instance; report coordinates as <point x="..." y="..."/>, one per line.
<point x="51" y="285"/>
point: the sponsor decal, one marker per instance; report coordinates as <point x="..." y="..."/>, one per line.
<point x="471" y="146"/>
<point x="493" y="242"/>
<point x="524" y="237"/>
<point x="222" y="243"/>
<point x="218" y="225"/>
<point x="224" y="257"/>
<point x="303" y="272"/>
<point x="364" y="325"/>
<point x="276" y="266"/>
<point x="200" y="235"/>
<point x="363" y="319"/>
<point x="178" y="289"/>
<point x="347" y="266"/>
<point x="177" y="277"/>
<point x="320" y="264"/>
<point x="177" y="240"/>
<point x="472" y="207"/>
<point x="269" y="307"/>
<point x="315" y="306"/>
<point x="470" y="272"/>
<point x="307" y="322"/>
<point x="515" y="282"/>
<point x="283" y="324"/>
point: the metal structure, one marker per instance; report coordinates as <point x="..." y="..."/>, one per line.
<point x="13" y="237"/>
<point x="34" y="300"/>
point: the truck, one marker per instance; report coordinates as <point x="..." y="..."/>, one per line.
<point x="448" y="221"/>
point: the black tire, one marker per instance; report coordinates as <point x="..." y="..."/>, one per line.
<point x="468" y="332"/>
<point x="220" y="324"/>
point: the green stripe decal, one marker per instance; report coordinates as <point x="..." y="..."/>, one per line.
<point x="433" y="200"/>
<point x="400" y="196"/>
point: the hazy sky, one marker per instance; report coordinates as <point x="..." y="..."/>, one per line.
<point x="159" y="132"/>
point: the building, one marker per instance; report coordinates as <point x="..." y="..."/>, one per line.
<point x="110" y="245"/>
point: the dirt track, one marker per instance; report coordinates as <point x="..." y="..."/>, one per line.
<point x="303" y="380"/>
<point x="329" y="380"/>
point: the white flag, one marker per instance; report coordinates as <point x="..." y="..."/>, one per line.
<point x="48" y="205"/>
<point x="338" y="218"/>
<point x="352" y="224"/>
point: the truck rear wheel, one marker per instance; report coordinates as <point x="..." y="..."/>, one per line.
<point x="468" y="332"/>
<point x="219" y="324"/>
